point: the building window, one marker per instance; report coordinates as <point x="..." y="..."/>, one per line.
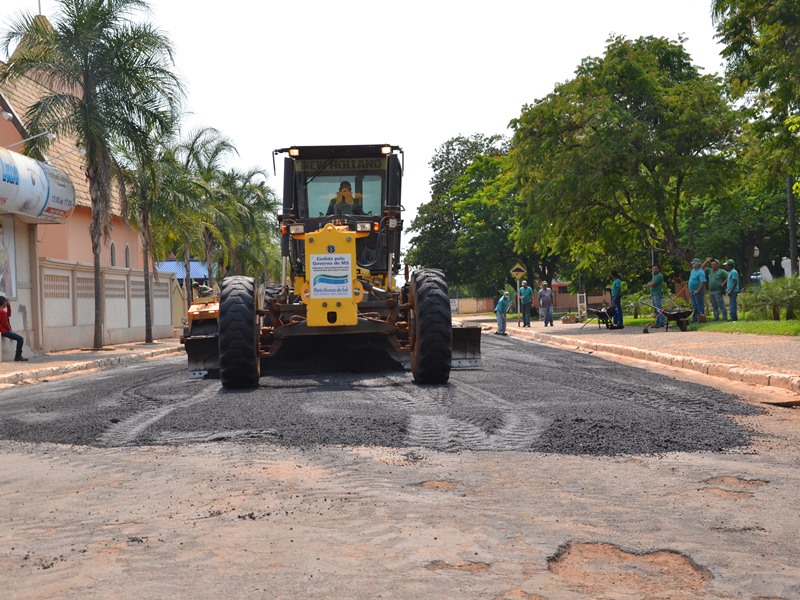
<point x="127" y="256"/>
<point x="113" y="255"/>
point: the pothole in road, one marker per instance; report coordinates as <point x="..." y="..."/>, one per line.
<point x="734" y="488"/>
<point x="731" y="481"/>
<point x="470" y="567"/>
<point x="437" y="485"/>
<point x="597" y="568"/>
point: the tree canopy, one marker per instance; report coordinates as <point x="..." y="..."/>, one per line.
<point x="609" y="160"/>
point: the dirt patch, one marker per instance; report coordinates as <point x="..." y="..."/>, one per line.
<point x="732" y="481"/>
<point x="438" y="485"/>
<point x="469" y="567"/>
<point x="600" y="568"/>
<point x="733" y="488"/>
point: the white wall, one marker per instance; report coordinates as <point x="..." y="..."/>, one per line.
<point x="68" y="305"/>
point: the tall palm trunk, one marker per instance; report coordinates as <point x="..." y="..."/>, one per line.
<point x="187" y="265"/>
<point x="208" y="238"/>
<point x="96" y="233"/>
<point x="148" y="310"/>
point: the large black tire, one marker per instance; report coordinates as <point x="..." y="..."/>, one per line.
<point x="431" y="327"/>
<point x="238" y="333"/>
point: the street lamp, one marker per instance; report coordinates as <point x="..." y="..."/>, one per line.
<point x="756" y="252"/>
<point x="50" y="136"/>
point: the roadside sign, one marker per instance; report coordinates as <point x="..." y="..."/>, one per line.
<point x="518" y="271"/>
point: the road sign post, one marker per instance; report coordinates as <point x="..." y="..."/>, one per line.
<point x="517" y="272"/>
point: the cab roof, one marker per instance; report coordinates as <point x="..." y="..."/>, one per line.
<point x="350" y="151"/>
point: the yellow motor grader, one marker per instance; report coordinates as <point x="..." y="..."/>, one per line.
<point x="340" y="240"/>
<point x="200" y="336"/>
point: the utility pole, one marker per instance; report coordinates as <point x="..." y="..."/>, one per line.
<point x="792" y="217"/>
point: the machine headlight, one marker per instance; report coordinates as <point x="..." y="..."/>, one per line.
<point x="297" y="229"/>
<point x="363" y="226"/>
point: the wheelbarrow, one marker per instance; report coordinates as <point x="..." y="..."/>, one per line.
<point x="679" y="316"/>
<point x="604" y="316"/>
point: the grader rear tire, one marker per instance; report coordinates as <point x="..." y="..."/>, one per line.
<point x="238" y="333"/>
<point x="432" y="327"/>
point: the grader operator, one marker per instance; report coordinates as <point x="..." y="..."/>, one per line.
<point x="340" y="241"/>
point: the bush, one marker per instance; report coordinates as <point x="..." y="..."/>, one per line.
<point x="771" y="298"/>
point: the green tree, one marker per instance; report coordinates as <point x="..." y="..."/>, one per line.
<point x="762" y="52"/>
<point x="749" y="213"/>
<point x="203" y="154"/>
<point x="113" y="84"/>
<point x="485" y="210"/>
<point x="609" y="160"/>
<point x="437" y="227"/>
<point x="253" y="249"/>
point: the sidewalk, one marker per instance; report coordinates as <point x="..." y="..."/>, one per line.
<point x="767" y="360"/>
<point x="52" y="364"/>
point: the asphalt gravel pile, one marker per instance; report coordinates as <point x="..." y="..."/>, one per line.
<point x="525" y="397"/>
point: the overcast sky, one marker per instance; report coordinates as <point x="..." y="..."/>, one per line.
<point x="413" y="73"/>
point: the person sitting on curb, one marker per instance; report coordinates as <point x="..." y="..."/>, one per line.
<point x="5" y="329"/>
<point x="503" y="305"/>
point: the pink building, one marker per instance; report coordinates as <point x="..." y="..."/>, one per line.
<point x="46" y="261"/>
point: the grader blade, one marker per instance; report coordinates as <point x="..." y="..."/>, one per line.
<point x="466" y="347"/>
<point x="203" y="357"/>
<point x="202" y="348"/>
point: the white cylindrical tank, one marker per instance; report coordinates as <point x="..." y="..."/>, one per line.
<point x="34" y="189"/>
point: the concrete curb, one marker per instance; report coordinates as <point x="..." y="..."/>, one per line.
<point x="733" y="372"/>
<point x="95" y="363"/>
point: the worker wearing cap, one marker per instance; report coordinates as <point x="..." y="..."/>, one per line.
<point x="732" y="287"/>
<point x="656" y="285"/>
<point x="345" y="202"/>
<point x="202" y="290"/>
<point x="546" y="302"/>
<point x="502" y="308"/>
<point x="525" y="301"/>
<point x="717" y="279"/>
<point x="697" y="287"/>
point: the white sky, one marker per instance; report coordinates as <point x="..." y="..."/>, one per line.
<point x="414" y="74"/>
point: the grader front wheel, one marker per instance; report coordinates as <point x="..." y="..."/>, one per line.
<point x="431" y="327"/>
<point x="238" y="333"/>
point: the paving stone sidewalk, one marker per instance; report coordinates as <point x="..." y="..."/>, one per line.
<point x="53" y="364"/>
<point x="768" y="360"/>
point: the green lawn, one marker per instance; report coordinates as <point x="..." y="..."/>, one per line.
<point x="743" y="325"/>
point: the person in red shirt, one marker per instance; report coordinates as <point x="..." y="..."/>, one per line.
<point x="5" y="328"/>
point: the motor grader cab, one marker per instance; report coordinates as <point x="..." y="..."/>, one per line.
<point x="340" y="240"/>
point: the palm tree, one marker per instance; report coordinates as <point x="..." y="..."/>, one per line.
<point x="203" y="154"/>
<point x="253" y="248"/>
<point x="112" y="84"/>
<point x="156" y="184"/>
